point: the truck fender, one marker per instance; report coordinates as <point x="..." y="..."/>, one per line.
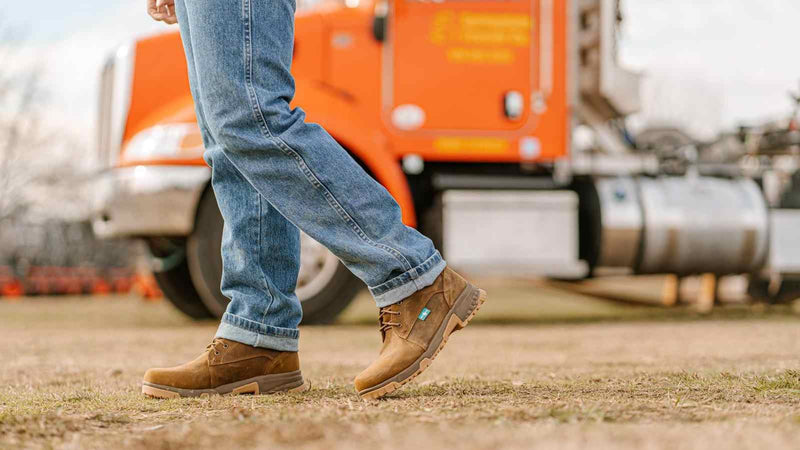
<point x="365" y="141"/>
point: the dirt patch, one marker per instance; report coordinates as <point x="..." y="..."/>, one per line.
<point x="72" y="372"/>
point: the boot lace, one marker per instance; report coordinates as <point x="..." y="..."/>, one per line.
<point x="214" y="345"/>
<point x="385" y="319"/>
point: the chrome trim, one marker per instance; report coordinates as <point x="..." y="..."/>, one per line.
<point x="116" y="81"/>
<point x="614" y="165"/>
<point x="148" y="200"/>
<point x="784" y="249"/>
<point x="104" y="112"/>
<point x="622" y="221"/>
<point x="563" y="166"/>
<point x="447" y="181"/>
<point x="160" y="142"/>
<point x="517" y="232"/>
<point x="546" y="47"/>
<point x="702" y="225"/>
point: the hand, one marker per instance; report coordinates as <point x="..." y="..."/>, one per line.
<point x="162" y="10"/>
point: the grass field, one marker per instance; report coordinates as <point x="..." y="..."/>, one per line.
<point x="540" y="368"/>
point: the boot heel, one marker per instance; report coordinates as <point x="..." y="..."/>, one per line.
<point x="467" y="305"/>
<point x="286" y="382"/>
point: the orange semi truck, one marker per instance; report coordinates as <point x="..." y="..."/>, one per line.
<point x="455" y="107"/>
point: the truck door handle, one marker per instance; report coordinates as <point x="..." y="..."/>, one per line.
<point x="545" y="85"/>
<point x="379" y="20"/>
<point x="546" y="47"/>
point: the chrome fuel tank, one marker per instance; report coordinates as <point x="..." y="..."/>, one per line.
<point x="683" y="225"/>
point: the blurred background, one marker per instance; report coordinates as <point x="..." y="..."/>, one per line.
<point x="715" y="77"/>
<point x="622" y="177"/>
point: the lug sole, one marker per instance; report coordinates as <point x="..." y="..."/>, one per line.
<point x="265" y="384"/>
<point x="459" y="316"/>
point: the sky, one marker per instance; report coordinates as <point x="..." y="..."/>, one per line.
<point x="709" y="64"/>
<point x="714" y="63"/>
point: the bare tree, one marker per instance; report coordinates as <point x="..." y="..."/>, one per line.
<point x="38" y="164"/>
<point x="19" y="126"/>
<point x="43" y="180"/>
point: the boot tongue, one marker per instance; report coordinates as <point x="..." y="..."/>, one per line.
<point x="216" y="347"/>
<point x="388" y="315"/>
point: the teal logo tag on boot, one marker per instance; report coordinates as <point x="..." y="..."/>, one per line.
<point x="424" y="314"/>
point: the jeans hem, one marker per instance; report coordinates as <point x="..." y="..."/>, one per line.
<point x="239" y="329"/>
<point x="406" y="284"/>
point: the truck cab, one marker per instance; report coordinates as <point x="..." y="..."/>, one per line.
<point x="454" y="107"/>
<point x="421" y="94"/>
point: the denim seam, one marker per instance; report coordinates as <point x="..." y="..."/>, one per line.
<point x="301" y="164"/>
<point x="248" y="68"/>
<point x="264" y="277"/>
<point x="334" y="203"/>
<point x="238" y="334"/>
<point x="406" y="277"/>
<point x="406" y="287"/>
<point x="259" y="328"/>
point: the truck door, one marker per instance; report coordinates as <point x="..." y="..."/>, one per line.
<point x="466" y="67"/>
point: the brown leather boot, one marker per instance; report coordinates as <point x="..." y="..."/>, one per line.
<point x="228" y="367"/>
<point x="416" y="329"/>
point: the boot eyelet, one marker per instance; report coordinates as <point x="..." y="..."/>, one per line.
<point x="216" y="353"/>
<point x="225" y="345"/>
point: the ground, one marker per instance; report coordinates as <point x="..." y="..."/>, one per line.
<point x="540" y="368"/>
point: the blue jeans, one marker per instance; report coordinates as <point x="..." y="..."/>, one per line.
<point x="273" y="173"/>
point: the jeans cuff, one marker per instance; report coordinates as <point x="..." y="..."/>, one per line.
<point x="239" y="329"/>
<point x="409" y="282"/>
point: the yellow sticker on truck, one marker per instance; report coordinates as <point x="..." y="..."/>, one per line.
<point x="480" y="38"/>
<point x="470" y="145"/>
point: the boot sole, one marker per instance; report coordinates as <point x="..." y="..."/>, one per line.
<point x="265" y="384"/>
<point x="464" y="309"/>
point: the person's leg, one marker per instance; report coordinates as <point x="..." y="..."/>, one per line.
<point x="260" y="260"/>
<point x="260" y="248"/>
<point x="260" y="263"/>
<point x="243" y="52"/>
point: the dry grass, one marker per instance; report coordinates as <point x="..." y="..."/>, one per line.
<point x="661" y="379"/>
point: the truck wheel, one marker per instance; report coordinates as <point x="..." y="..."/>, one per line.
<point x="324" y="285"/>
<point x="176" y="284"/>
<point x="788" y="292"/>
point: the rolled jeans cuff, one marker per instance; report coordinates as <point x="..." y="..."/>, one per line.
<point x="239" y="329"/>
<point x="408" y="283"/>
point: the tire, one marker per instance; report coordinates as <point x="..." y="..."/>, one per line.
<point x="176" y="284"/>
<point x="325" y="285"/>
<point x="788" y="291"/>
